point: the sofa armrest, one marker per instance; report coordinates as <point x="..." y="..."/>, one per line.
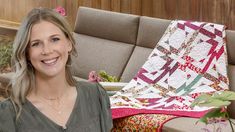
<point x="112" y="87"/>
<point x="79" y="79"/>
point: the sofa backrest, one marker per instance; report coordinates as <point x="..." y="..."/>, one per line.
<point x="108" y="38"/>
<point x="120" y="44"/>
<point x="231" y="65"/>
<point x="149" y="33"/>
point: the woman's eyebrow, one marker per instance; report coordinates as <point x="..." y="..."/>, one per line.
<point x="35" y="40"/>
<point x="55" y="35"/>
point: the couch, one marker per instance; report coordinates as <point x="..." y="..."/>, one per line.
<point x="120" y="43"/>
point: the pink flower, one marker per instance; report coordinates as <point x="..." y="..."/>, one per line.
<point x="99" y="79"/>
<point x="94" y="77"/>
<point x="60" y="10"/>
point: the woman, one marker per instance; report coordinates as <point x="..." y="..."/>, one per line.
<point x="45" y="97"/>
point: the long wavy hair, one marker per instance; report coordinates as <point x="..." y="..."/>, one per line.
<point x="23" y="80"/>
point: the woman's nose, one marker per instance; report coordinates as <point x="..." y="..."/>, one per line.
<point x="47" y="49"/>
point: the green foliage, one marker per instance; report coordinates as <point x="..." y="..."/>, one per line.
<point x="5" y="54"/>
<point x="213" y="114"/>
<point x="201" y="99"/>
<point x="225" y="95"/>
<point x="219" y="101"/>
<point x="106" y="77"/>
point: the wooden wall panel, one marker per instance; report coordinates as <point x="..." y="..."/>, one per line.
<point x="218" y="11"/>
<point x="105" y="4"/>
<point x="116" y="5"/>
<point x="71" y="7"/>
<point x="231" y="16"/>
<point x="158" y="9"/>
<point x="147" y="8"/>
<point x="16" y="10"/>
<point x="125" y="6"/>
<point x="96" y="4"/>
<point x="189" y="12"/>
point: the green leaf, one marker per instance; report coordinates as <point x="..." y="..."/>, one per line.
<point x="106" y="77"/>
<point x="5" y="54"/>
<point x="214" y="103"/>
<point x="201" y="99"/>
<point x="213" y="114"/>
<point x="224" y="95"/>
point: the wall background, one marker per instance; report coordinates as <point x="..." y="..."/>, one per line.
<point x="218" y="11"/>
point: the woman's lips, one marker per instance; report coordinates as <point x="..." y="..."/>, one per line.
<point x="50" y="61"/>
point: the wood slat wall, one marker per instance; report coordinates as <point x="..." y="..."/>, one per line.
<point x="16" y="10"/>
<point x="218" y="11"/>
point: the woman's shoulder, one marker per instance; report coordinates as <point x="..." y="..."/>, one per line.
<point x="6" y="105"/>
<point x="6" y="108"/>
<point x="7" y="116"/>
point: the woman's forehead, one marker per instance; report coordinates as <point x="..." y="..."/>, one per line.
<point x="44" y="28"/>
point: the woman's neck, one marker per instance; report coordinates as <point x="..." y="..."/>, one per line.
<point x="51" y="87"/>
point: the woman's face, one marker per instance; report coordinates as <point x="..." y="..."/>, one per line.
<point x="48" y="49"/>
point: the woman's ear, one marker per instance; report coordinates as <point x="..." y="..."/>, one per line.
<point x="70" y="46"/>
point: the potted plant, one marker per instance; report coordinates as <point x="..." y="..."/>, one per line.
<point x="218" y="101"/>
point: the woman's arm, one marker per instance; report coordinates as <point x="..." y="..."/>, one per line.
<point x="106" y="115"/>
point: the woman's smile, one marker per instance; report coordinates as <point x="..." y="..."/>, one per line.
<point x="50" y="62"/>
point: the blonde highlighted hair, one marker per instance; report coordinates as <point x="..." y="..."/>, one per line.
<point x="24" y="79"/>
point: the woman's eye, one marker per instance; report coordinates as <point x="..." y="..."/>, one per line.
<point x="55" y="39"/>
<point x="34" y="44"/>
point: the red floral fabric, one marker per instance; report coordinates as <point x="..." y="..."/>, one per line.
<point x="141" y="122"/>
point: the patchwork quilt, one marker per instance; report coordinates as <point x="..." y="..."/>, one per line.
<point x="189" y="59"/>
